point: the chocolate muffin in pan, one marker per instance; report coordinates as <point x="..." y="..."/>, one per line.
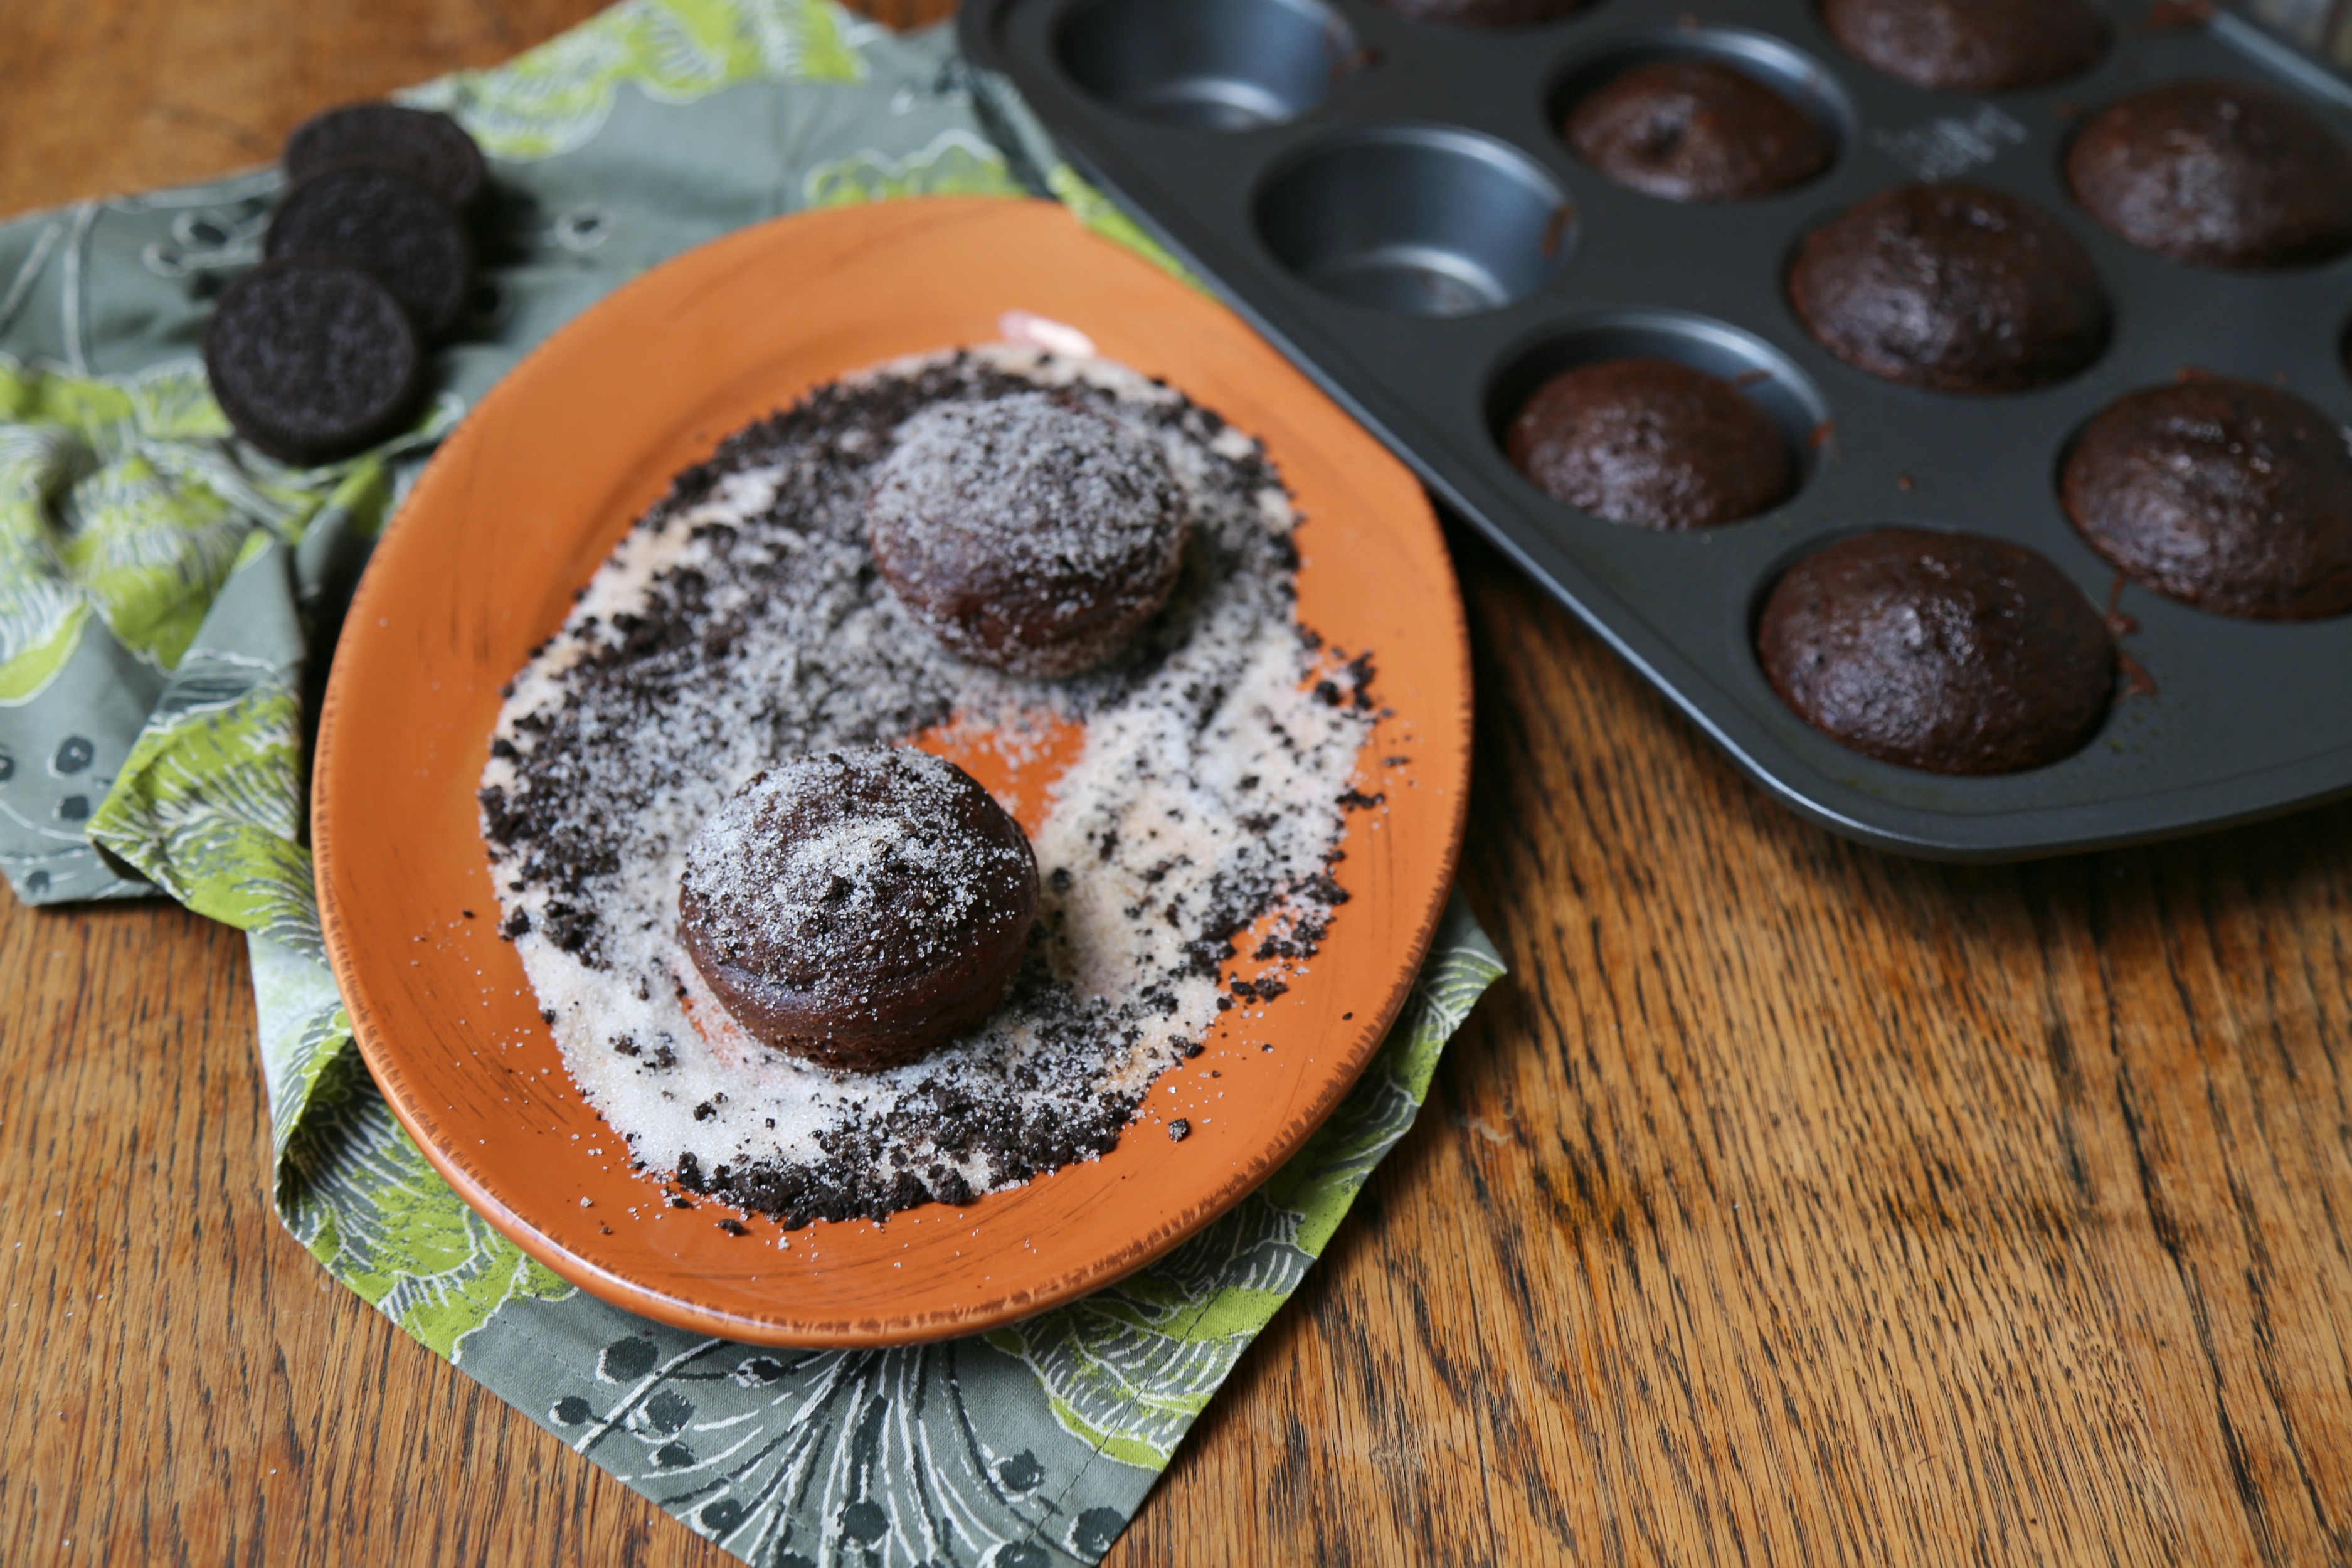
<point x="859" y="907"/>
<point x="1485" y="13"/>
<point x="2232" y="496"/>
<point x="1951" y="287"/>
<point x="1946" y="652"/>
<point x="2218" y="173"/>
<point x="1652" y="442"/>
<point x="1697" y="131"/>
<point x="1034" y="532"/>
<point x="1970" y="46"/>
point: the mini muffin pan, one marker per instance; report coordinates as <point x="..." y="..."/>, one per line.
<point x="1391" y="204"/>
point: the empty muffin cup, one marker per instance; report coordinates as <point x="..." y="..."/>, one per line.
<point x="1486" y="14"/>
<point x="1219" y="65"/>
<point x="1424" y="220"/>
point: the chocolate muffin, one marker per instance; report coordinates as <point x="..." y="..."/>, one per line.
<point x="1697" y="131"/>
<point x="1968" y="46"/>
<point x="859" y="907"/>
<point x="1033" y="532"/>
<point x="2219" y="173"/>
<point x="1652" y="442"/>
<point x="1485" y="13"/>
<point x="2231" y="496"/>
<point x="1951" y="287"/>
<point x="1947" y="652"/>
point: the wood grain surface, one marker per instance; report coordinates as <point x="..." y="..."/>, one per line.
<point x="1790" y="1204"/>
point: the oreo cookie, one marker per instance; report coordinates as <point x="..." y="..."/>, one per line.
<point x="313" y="360"/>
<point x="387" y="223"/>
<point x="428" y="148"/>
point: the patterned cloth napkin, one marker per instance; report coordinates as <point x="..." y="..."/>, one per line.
<point x="162" y="590"/>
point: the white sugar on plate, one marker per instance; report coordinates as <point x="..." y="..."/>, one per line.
<point x="742" y="623"/>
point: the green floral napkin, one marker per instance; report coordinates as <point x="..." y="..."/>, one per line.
<point x="163" y="589"/>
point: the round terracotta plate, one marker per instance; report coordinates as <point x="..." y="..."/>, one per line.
<point x="520" y="507"/>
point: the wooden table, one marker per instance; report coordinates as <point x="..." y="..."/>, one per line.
<point x="1790" y="1204"/>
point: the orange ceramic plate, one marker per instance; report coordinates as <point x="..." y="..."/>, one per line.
<point x="520" y="507"/>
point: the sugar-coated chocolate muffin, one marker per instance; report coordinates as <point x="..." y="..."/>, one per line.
<point x="1697" y="131"/>
<point x="1951" y="287"/>
<point x="389" y="225"/>
<point x="312" y="361"/>
<point x="1652" y="442"/>
<point x="859" y="907"/>
<point x="2232" y="496"/>
<point x="1968" y="46"/>
<point x="1947" y="652"/>
<point x="431" y="149"/>
<point x="2219" y="174"/>
<point x="1034" y="532"/>
<point x="1485" y="13"/>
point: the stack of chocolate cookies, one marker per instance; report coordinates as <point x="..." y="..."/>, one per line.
<point x="321" y="352"/>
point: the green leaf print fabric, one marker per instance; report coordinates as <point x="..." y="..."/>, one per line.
<point x="167" y="596"/>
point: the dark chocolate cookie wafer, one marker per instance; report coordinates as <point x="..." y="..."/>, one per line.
<point x="430" y="149"/>
<point x="387" y="223"/>
<point x="1949" y="652"/>
<point x="313" y="360"/>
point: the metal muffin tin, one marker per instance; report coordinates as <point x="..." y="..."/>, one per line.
<point x="1393" y="205"/>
